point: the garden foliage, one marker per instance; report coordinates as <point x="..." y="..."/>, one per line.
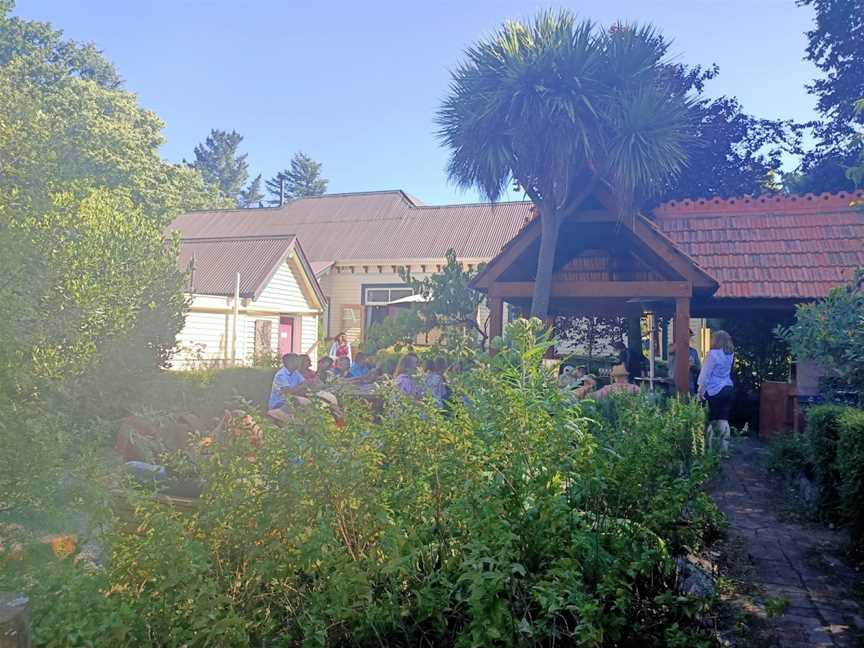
<point x="91" y="299"/>
<point x="832" y="451"/>
<point x="823" y="431"/>
<point x="511" y="518"/>
<point x="831" y="333"/>
<point x="850" y="466"/>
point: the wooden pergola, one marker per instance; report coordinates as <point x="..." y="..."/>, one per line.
<point x="604" y="266"/>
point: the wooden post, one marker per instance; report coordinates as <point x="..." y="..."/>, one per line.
<point x="14" y="620"/>
<point x="634" y="346"/>
<point x="682" y="345"/>
<point x="496" y="317"/>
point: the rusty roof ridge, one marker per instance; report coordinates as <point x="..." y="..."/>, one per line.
<point x="476" y="204"/>
<point x="411" y="200"/>
<point x="239" y="237"/>
<point x="841" y="200"/>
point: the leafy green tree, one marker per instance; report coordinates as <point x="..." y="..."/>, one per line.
<point x="831" y="332"/>
<point x="92" y="299"/>
<point x="733" y="153"/>
<point x="836" y="48"/>
<point x="252" y="195"/>
<point x="83" y="157"/>
<point x="856" y="172"/>
<point x="563" y="109"/>
<point x="50" y="56"/>
<point x="399" y="330"/>
<point x="300" y="180"/>
<point x="449" y="303"/>
<point x="220" y="164"/>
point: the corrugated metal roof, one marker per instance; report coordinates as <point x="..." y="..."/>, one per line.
<point x="369" y="226"/>
<point x="758" y="247"/>
<point x="217" y="262"/>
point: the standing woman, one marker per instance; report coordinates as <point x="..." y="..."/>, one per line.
<point x="715" y="385"/>
<point x="341" y="348"/>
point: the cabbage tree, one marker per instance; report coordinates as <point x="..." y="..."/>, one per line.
<point x="562" y="108"/>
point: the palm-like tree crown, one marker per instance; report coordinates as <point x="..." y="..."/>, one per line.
<point x="558" y="105"/>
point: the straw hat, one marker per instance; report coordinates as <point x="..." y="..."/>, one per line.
<point x="620" y="371"/>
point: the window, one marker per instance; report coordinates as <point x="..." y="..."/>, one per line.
<point x="399" y="293"/>
<point x="383" y="296"/>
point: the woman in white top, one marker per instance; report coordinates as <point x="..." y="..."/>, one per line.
<point x="341" y="348"/>
<point x="715" y="385"/>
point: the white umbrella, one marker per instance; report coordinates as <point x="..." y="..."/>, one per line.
<point x="410" y="299"/>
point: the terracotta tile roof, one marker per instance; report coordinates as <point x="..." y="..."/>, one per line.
<point x="770" y="246"/>
<point x="216" y="262"/>
<point x="369" y="226"/>
<point x="755" y="247"/>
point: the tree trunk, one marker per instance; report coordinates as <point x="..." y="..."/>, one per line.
<point x="549" y="228"/>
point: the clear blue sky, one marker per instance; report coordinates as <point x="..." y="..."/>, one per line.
<point x="356" y="84"/>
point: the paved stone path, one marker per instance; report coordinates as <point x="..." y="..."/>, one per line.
<point x="796" y="567"/>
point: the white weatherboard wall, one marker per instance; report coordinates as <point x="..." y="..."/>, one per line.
<point x="206" y="338"/>
<point x="344" y="290"/>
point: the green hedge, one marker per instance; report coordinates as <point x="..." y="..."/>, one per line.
<point x="822" y="431"/>
<point x="850" y="465"/>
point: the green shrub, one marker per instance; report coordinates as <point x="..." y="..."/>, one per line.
<point x="511" y="519"/>
<point x="850" y="465"/>
<point x="822" y="430"/>
<point x="789" y="455"/>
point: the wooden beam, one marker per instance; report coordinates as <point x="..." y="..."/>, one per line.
<point x="682" y="345"/>
<point x="529" y="234"/>
<point x="496" y="317"/>
<point x="595" y="289"/>
<point x="666" y="250"/>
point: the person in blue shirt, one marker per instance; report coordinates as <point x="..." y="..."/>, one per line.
<point x="360" y="368"/>
<point x="288" y="380"/>
<point x="715" y="385"/>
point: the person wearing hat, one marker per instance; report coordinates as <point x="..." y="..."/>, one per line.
<point x="619" y="384"/>
<point x="695" y="365"/>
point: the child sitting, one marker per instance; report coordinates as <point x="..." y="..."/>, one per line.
<point x="288" y="380"/>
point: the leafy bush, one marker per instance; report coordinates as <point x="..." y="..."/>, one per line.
<point x="789" y="455"/>
<point x="829" y="332"/>
<point x="511" y="519"/>
<point x="850" y="466"/>
<point x="823" y="430"/>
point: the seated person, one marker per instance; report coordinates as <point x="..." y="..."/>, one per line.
<point x="325" y="374"/>
<point x="405" y="379"/>
<point x="589" y="384"/>
<point x="620" y="384"/>
<point x="567" y="377"/>
<point x="343" y="367"/>
<point x="360" y="368"/>
<point x="306" y="368"/>
<point x="581" y="374"/>
<point x="436" y="384"/>
<point x="288" y="380"/>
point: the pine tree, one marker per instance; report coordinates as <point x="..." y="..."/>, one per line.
<point x="252" y="195"/>
<point x="302" y="179"/>
<point x="220" y="165"/>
